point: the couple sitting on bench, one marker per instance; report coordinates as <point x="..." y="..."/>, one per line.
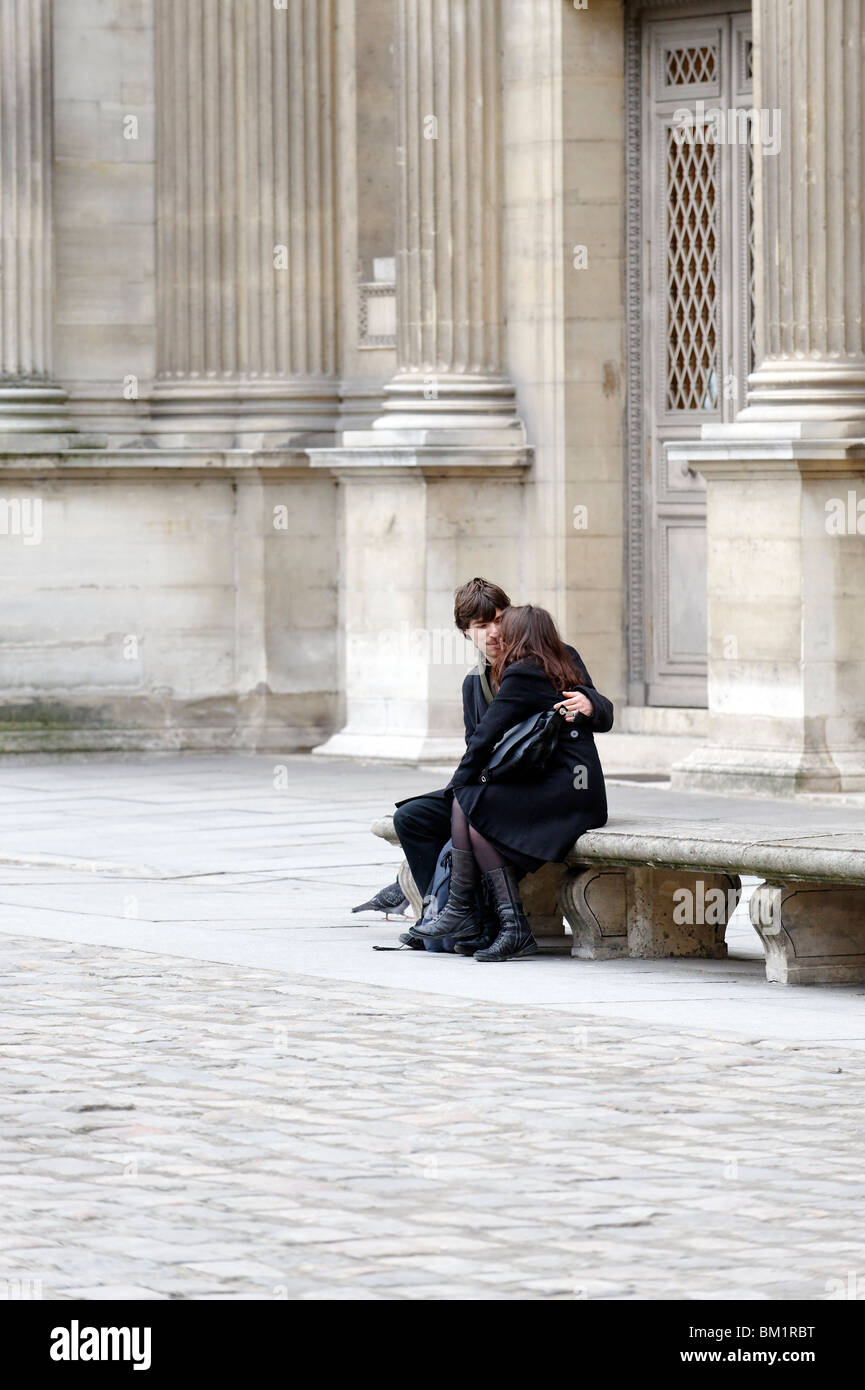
<point x="508" y="819"/>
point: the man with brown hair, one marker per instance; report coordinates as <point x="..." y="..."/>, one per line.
<point x="423" y="823"/>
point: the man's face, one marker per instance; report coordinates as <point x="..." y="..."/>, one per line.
<point x="486" y="636"/>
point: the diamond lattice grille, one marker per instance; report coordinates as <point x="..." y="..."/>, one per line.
<point x="690" y="67"/>
<point x="691" y="264"/>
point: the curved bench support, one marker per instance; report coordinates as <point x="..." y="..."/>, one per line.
<point x="406" y="882"/>
<point x="648" y="913"/>
<point x="812" y="933"/>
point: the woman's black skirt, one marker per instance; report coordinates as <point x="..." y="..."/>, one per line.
<point x="524" y="863"/>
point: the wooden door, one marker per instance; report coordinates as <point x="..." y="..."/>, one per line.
<point x="698" y="293"/>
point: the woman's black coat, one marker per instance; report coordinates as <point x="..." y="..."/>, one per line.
<point x="538" y="820"/>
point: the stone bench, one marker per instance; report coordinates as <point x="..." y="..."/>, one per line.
<point x="644" y="886"/>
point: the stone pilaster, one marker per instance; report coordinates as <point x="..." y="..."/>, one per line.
<point x="31" y="402"/>
<point x="447" y="78"/>
<point x="247" y="217"/>
<point x="786" y="481"/>
<point x="448" y="453"/>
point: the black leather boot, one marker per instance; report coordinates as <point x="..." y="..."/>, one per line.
<point x="411" y="936"/>
<point x="515" y="939"/>
<point x="408" y="940"/>
<point x="458" y="918"/>
<point x="489" y="928"/>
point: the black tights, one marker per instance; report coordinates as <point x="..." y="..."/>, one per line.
<point x="464" y="836"/>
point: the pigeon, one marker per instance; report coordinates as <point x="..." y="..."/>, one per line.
<point x="386" y="900"/>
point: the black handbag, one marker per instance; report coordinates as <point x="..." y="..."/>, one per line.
<point x="526" y="750"/>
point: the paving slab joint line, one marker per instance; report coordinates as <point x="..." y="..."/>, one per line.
<point x="89" y="866"/>
<point x="439" y="1001"/>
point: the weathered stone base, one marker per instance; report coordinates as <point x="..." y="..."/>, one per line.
<point x="642" y="912"/>
<point x="767" y="772"/>
<point x="392" y="748"/>
<point x="259" y="722"/>
<point x="812" y="933"/>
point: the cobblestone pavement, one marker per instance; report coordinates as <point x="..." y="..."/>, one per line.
<point x="213" y="1088"/>
<point x="180" y="1128"/>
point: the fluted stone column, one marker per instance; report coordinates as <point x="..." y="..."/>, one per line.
<point x="447" y="77"/>
<point x="31" y="402"/>
<point x="786" y="481"/>
<point x="246" y="215"/>
<point x="812" y="307"/>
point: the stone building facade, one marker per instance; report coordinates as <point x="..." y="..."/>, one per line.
<point x="311" y="309"/>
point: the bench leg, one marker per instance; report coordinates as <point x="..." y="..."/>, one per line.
<point x="813" y="934"/>
<point x="406" y="882"/>
<point x="594" y="902"/>
<point x="648" y="913"/>
<point x="540" y="894"/>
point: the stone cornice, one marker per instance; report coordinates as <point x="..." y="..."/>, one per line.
<point x="756" y="457"/>
<point x="86" y="463"/>
<point x="428" y="460"/>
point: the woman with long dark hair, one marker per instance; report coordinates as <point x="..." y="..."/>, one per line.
<point x="502" y="830"/>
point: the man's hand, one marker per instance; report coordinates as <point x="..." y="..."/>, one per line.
<point x="575" y="703"/>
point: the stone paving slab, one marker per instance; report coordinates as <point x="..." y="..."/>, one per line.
<point x="176" y="1128"/>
